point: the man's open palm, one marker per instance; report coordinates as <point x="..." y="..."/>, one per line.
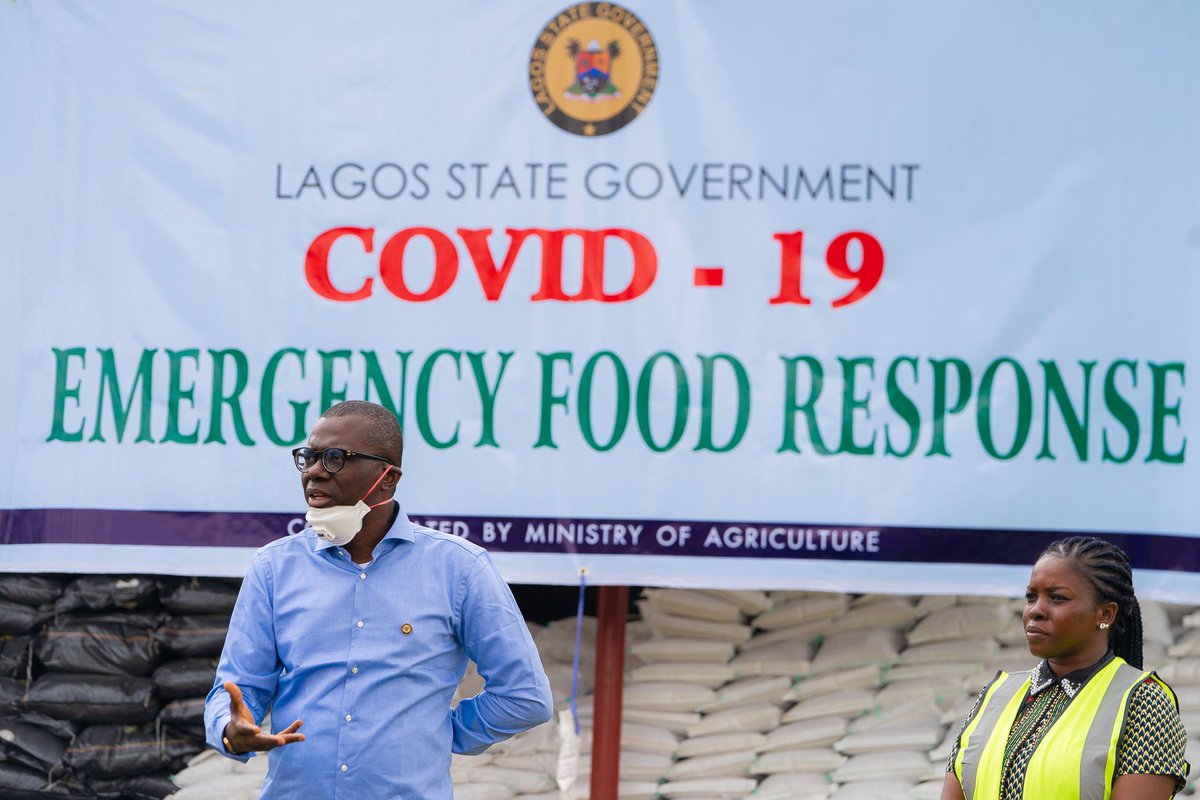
<point x="245" y="736"/>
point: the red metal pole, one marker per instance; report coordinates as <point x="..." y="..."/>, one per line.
<point x="610" y="673"/>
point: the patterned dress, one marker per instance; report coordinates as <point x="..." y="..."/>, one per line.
<point x="1153" y="743"/>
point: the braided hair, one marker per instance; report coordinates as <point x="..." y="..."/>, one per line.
<point x="1107" y="568"/>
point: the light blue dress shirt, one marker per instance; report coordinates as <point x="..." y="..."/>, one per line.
<point x="369" y="658"/>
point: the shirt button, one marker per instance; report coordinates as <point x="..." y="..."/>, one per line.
<point x="359" y="623"/>
<point x="345" y="767"/>
<point x="348" y="718"/>
<point x="362" y="576"/>
<point x="354" y="670"/>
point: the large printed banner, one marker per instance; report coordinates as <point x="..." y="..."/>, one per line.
<point x="856" y="296"/>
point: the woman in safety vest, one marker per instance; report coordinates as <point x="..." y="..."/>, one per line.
<point x="1087" y="723"/>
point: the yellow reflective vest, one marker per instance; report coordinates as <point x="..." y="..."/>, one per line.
<point x="1077" y="756"/>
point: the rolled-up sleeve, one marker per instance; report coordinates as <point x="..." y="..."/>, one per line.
<point x="249" y="657"/>
<point x="516" y="693"/>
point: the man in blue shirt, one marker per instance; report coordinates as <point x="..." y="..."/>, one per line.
<point x="360" y="627"/>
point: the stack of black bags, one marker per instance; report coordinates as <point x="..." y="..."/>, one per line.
<point x="102" y="681"/>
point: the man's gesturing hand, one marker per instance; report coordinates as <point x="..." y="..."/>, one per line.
<point x="243" y="736"/>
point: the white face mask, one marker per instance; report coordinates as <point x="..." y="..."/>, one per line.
<point x="340" y="524"/>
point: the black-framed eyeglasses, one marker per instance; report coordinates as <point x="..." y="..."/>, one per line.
<point x="331" y="458"/>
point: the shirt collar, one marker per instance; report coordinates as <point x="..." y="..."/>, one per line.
<point x="1042" y="678"/>
<point x="401" y="529"/>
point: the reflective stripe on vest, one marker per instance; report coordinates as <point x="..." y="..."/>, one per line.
<point x="1076" y="757"/>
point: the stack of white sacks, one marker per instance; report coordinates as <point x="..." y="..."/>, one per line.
<point x="796" y="695"/>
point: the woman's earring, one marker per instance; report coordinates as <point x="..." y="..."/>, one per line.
<point x="1103" y="626"/>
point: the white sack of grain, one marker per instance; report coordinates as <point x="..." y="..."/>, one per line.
<point x="746" y="691"/>
<point x="909" y="765"/>
<point x="1156" y="626"/>
<point x="711" y="675"/>
<point x="1181" y="671"/>
<point x="808" y="632"/>
<point x="721" y="743"/>
<point x="676" y="722"/>
<point x="948" y="674"/>
<point x="533" y="762"/>
<point x="857" y="648"/>
<point x="869" y="598"/>
<point x="805" y="609"/>
<point x="794" y="786"/>
<point x="905" y="693"/>
<point x="961" y="622"/>
<point x="895" y="614"/>
<point x="915" y="714"/>
<point x="1012" y="659"/>
<point x="932" y="603"/>
<point x="626" y="790"/>
<point x="843" y="703"/>
<point x="520" y="781"/>
<point x="636" y="765"/>
<point x="698" y="605"/>
<point x="556" y="641"/>
<point x="478" y="791"/>
<point x="707" y="787"/>
<point x="1188" y="696"/>
<point x="979" y="649"/>
<point x="667" y="696"/>
<point x="673" y="625"/>
<point x="675" y="650"/>
<point x="797" y="759"/>
<point x="750" y="601"/>
<point x="865" y="677"/>
<point x="926" y="790"/>
<point x="543" y="738"/>
<point x="758" y="717"/>
<point x="872" y="790"/>
<point x="560" y="675"/>
<point x="636" y="736"/>
<point x="910" y="737"/>
<point x="809" y="733"/>
<point x="715" y="765"/>
<point x="782" y="658"/>
<point x="1014" y="635"/>
<point x="1188" y="644"/>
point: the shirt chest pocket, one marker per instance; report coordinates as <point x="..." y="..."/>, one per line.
<point x="422" y="642"/>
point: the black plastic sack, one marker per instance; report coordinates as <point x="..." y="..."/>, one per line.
<point x="120" y="751"/>
<point x="137" y="787"/>
<point x="194" y="636"/>
<point x="62" y="728"/>
<point x="94" y="698"/>
<point x="148" y="619"/>
<point x="197" y="596"/>
<point x="12" y="692"/>
<point x="188" y="677"/>
<point x="30" y="745"/>
<point x="19" y="782"/>
<point x="31" y="590"/>
<point x="184" y="716"/>
<point x="14" y="655"/>
<point x="102" y="592"/>
<point x="107" y="648"/>
<point x="17" y="618"/>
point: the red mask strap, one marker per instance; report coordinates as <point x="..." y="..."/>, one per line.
<point x="373" y="485"/>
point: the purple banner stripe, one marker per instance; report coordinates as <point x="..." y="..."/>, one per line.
<point x="887" y="543"/>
